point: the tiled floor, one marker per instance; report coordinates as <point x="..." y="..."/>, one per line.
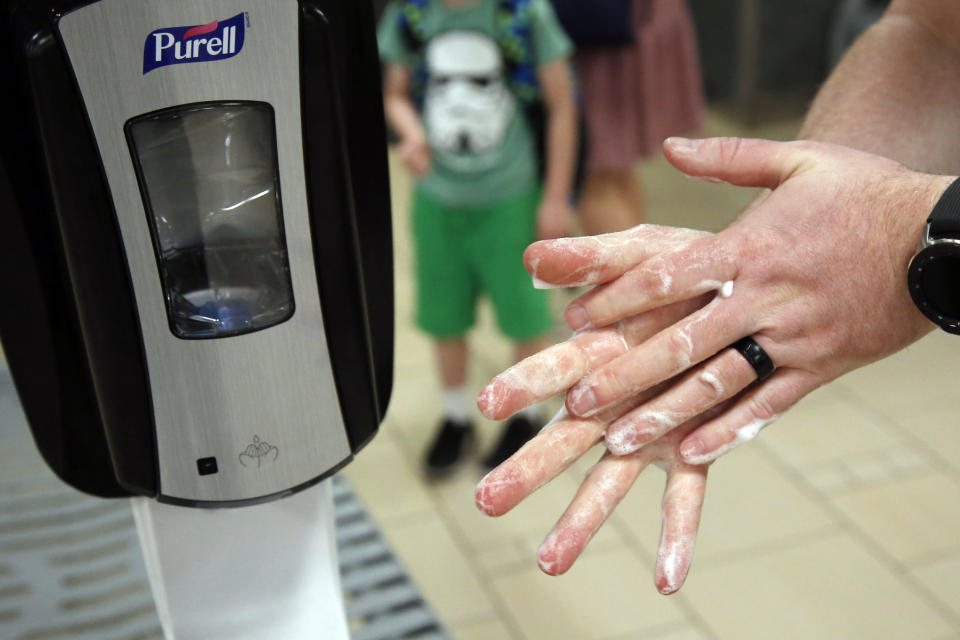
<point x="842" y="521"/>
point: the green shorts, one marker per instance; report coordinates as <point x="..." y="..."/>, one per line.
<point x="463" y="252"/>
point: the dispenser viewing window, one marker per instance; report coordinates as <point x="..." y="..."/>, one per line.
<point x="209" y="180"/>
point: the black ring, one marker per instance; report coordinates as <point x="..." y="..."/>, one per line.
<point x="756" y="356"/>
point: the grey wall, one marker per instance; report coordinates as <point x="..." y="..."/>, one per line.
<point x="790" y="42"/>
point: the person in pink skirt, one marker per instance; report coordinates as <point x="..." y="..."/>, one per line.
<point x="635" y="96"/>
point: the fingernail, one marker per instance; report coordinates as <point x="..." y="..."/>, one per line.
<point x="482" y="496"/>
<point x="620" y="442"/>
<point x="542" y="284"/>
<point x="485" y="399"/>
<point x="683" y="145"/>
<point x="692" y="449"/>
<point x="583" y="401"/>
<point x="577" y="318"/>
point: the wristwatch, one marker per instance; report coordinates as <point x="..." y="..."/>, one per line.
<point x="934" y="273"/>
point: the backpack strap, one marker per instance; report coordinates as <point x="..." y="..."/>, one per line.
<point x="515" y="38"/>
<point x="410" y="21"/>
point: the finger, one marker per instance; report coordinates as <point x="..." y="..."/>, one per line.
<point x="589" y="260"/>
<point x="721" y="378"/>
<point x="744" y="162"/>
<point x="556" y="369"/>
<point x="665" y="355"/>
<point x="643" y="326"/>
<point x="682" y="505"/>
<point x="756" y="409"/>
<point x="686" y="272"/>
<point x="540" y="460"/>
<point x="598" y="496"/>
<point x="549" y="372"/>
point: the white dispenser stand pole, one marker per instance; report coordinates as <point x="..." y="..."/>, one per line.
<point x="260" y="573"/>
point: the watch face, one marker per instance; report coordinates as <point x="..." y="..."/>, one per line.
<point x="934" y="281"/>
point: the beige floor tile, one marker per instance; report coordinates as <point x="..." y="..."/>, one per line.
<point x="686" y="633"/>
<point x="905" y="382"/>
<point x="830" y="478"/>
<point x="505" y="557"/>
<point x="871" y="469"/>
<point x="910" y="518"/>
<point x="413" y="352"/>
<point x="414" y="409"/>
<point x="846" y="474"/>
<point x="492" y="629"/>
<point x="441" y="570"/>
<point x="829" y="430"/>
<point x="385" y="481"/>
<point x="613" y="594"/>
<point x="749" y="504"/>
<point x="907" y="460"/>
<point x="826" y="588"/>
<point x="942" y="577"/>
<point x="935" y="424"/>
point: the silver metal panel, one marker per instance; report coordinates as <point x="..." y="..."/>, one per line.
<point x="212" y="397"/>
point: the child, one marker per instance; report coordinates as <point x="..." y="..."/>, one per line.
<point x="468" y="85"/>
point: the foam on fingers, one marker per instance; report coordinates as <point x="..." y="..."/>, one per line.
<point x="740" y="436"/>
<point x="600" y="493"/>
<point x="590" y="260"/>
<point x="539" y="461"/>
<point x="532" y="380"/>
<point x="550" y="372"/>
<point x="681" y="508"/>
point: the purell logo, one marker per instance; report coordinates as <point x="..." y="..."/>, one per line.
<point x="201" y="43"/>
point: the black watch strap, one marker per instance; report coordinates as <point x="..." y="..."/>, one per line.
<point x="944" y="220"/>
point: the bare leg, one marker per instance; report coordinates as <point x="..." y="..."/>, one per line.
<point x="454" y="436"/>
<point x="451" y="358"/>
<point x="612" y="201"/>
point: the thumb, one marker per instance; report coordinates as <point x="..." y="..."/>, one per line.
<point x="745" y="162"/>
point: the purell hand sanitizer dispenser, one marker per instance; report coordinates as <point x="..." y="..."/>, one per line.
<point x="196" y="282"/>
<point x="197" y="275"/>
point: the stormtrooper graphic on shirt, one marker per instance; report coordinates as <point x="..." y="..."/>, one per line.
<point x="467" y="106"/>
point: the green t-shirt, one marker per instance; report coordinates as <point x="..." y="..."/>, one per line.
<point x="482" y="149"/>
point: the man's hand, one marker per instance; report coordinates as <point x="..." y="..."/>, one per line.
<point x="815" y="270"/>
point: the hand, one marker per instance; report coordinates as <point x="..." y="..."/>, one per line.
<point x="554" y="219"/>
<point x="818" y="270"/>
<point x="567" y="438"/>
<point x="415" y="153"/>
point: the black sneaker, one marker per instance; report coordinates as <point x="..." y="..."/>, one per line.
<point x="452" y="442"/>
<point x="516" y="431"/>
